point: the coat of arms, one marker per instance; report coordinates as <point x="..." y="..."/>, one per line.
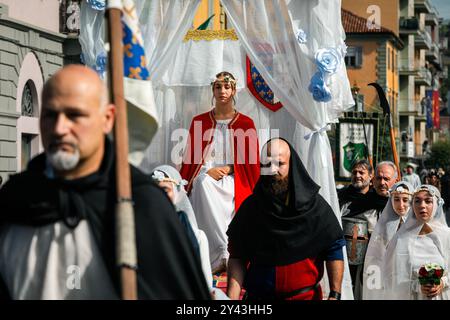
<point x="352" y="153"/>
<point x="259" y="88"/>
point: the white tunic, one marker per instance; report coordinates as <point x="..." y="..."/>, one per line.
<point x="53" y="262"/>
<point x="212" y="200"/>
<point x="425" y="251"/>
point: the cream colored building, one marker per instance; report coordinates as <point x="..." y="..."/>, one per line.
<point x="32" y="48"/>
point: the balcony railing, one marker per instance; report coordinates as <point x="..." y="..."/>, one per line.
<point x="431" y="19"/>
<point x="407" y="149"/>
<point x="423" y="76"/>
<point x="406" y="67"/>
<point x="406" y="105"/>
<point x="433" y="53"/>
<point x="410" y="24"/>
<point x="423" y="6"/>
<point x="422" y="40"/>
<point x="421" y="111"/>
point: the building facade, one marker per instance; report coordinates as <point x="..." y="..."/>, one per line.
<point x="32" y="48"/>
<point x="421" y="74"/>
<point x="407" y="65"/>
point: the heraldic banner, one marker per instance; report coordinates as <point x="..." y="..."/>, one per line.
<point x="352" y="145"/>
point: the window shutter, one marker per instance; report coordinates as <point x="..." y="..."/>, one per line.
<point x="358" y="55"/>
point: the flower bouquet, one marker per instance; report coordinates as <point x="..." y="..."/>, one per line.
<point x="430" y="273"/>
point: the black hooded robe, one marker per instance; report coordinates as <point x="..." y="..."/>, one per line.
<point x="168" y="267"/>
<point x="268" y="233"/>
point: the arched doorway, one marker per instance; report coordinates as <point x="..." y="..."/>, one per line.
<point x="29" y="88"/>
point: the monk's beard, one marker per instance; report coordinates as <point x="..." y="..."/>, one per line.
<point x="279" y="187"/>
<point x="360" y="185"/>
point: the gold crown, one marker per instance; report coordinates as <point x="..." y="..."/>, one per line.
<point x="226" y="79"/>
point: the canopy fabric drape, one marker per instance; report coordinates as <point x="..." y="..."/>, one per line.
<point x="164" y="24"/>
<point x="298" y="46"/>
<point x="282" y="38"/>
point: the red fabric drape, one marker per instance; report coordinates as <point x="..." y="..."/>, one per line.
<point x="245" y="150"/>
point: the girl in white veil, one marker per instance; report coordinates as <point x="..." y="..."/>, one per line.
<point x="424" y="238"/>
<point x="181" y="203"/>
<point x="393" y="216"/>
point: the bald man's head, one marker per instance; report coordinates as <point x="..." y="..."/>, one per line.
<point x="275" y="159"/>
<point x="72" y="73"/>
<point x="74" y="120"/>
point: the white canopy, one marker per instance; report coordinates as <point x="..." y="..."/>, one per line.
<point x="267" y="30"/>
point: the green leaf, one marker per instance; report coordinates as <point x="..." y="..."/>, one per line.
<point x="205" y="24"/>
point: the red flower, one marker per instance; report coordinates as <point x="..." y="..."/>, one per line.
<point x="423" y="272"/>
<point x="438" y="273"/>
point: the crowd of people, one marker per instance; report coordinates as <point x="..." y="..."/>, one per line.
<point x="407" y="231"/>
<point x="256" y="217"/>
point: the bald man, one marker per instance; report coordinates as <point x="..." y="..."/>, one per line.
<point x="57" y="235"/>
<point x="283" y="234"/>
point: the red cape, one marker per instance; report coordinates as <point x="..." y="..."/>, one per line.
<point x="246" y="152"/>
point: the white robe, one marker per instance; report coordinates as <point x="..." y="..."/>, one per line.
<point x="212" y="200"/>
<point x="425" y="251"/>
<point x="53" y="262"/>
<point x="408" y="251"/>
<point x="384" y="231"/>
<point x="413" y="179"/>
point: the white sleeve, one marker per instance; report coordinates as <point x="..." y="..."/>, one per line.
<point x="415" y="286"/>
<point x="205" y="167"/>
<point x="444" y="280"/>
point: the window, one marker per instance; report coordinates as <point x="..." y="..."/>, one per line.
<point x="27" y="101"/>
<point x="26" y="150"/>
<point x="354" y="57"/>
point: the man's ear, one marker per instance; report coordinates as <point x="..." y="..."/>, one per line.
<point x="110" y="112"/>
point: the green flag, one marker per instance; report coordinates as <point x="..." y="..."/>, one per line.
<point x="352" y="153"/>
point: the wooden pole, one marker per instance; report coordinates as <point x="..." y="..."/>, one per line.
<point x="394" y="148"/>
<point x="126" y="239"/>
<point x="369" y="157"/>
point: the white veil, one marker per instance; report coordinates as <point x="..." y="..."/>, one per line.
<point x="385" y="229"/>
<point x="399" y="278"/>
<point x="181" y="200"/>
<point x="182" y="203"/>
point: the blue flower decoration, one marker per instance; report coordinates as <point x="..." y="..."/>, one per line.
<point x="318" y="88"/>
<point x="328" y="60"/>
<point x="100" y="64"/>
<point x="96" y="4"/>
<point x="301" y="36"/>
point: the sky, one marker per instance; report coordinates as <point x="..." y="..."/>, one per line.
<point x="443" y="8"/>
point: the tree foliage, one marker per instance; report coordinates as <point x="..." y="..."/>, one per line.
<point x="440" y="154"/>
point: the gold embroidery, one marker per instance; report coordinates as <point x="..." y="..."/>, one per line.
<point x="210" y="35"/>
<point x="127" y="50"/>
<point x="134" y="73"/>
<point x="143" y="61"/>
<point x="130" y="11"/>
